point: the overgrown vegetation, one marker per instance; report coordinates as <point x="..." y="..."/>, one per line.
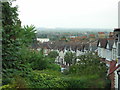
<point x="27" y="68"/>
<point x="89" y="64"/>
<point x="70" y="58"/>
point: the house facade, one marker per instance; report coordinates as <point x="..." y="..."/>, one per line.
<point x="107" y="49"/>
<point x="109" y="53"/>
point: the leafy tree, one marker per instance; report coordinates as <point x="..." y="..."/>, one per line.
<point x="14" y="36"/>
<point x="10" y="30"/>
<point x="89" y="64"/>
<point x="27" y="35"/>
<point x="14" y="39"/>
<point x="53" y="54"/>
<point x="70" y="58"/>
<point x="37" y="60"/>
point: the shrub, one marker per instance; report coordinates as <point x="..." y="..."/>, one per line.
<point x="43" y="80"/>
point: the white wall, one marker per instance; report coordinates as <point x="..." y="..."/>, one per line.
<point x="43" y="40"/>
<point x="61" y="55"/>
<point x="99" y="51"/>
<point x="103" y="52"/>
<point x="72" y="51"/>
<point x="106" y="53"/>
<point x="114" y="54"/>
<point x="77" y="53"/>
<point x="109" y="55"/>
<point x="65" y="51"/>
<point x="116" y="80"/>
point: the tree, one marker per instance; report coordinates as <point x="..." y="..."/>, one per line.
<point x="14" y="36"/>
<point x="89" y="64"/>
<point x="27" y="35"/>
<point x="14" y="40"/>
<point x="53" y="54"/>
<point x="11" y="28"/>
<point x="70" y="58"/>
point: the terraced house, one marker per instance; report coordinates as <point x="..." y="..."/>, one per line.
<point x="108" y="49"/>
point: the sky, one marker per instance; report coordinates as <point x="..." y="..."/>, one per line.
<point x="69" y="13"/>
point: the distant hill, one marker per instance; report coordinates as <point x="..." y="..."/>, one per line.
<point x="74" y="29"/>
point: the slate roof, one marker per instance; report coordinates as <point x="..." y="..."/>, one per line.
<point x="93" y="45"/>
<point x="86" y="46"/>
<point x="71" y="45"/>
<point x="103" y="43"/>
<point x="110" y="43"/>
<point x="80" y="47"/>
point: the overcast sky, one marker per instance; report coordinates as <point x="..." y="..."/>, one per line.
<point x="69" y="13"/>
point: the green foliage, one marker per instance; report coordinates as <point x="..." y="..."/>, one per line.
<point x="54" y="67"/>
<point x="27" y="35"/>
<point x="54" y="79"/>
<point x="15" y="39"/>
<point x="36" y="60"/>
<point x="70" y="58"/>
<point x="89" y="81"/>
<point x="9" y="33"/>
<point x="43" y="80"/>
<point x="88" y="65"/>
<point x="49" y="72"/>
<point x="53" y="54"/>
<point x="19" y="60"/>
<point x="92" y="69"/>
<point x="7" y="87"/>
<point x="10" y="45"/>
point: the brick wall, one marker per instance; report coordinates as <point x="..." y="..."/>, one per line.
<point x="112" y="78"/>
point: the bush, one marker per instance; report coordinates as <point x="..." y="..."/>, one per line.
<point x="54" y="79"/>
<point x="45" y="80"/>
<point x="88" y="65"/>
<point x="91" y="81"/>
<point x="54" y="67"/>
